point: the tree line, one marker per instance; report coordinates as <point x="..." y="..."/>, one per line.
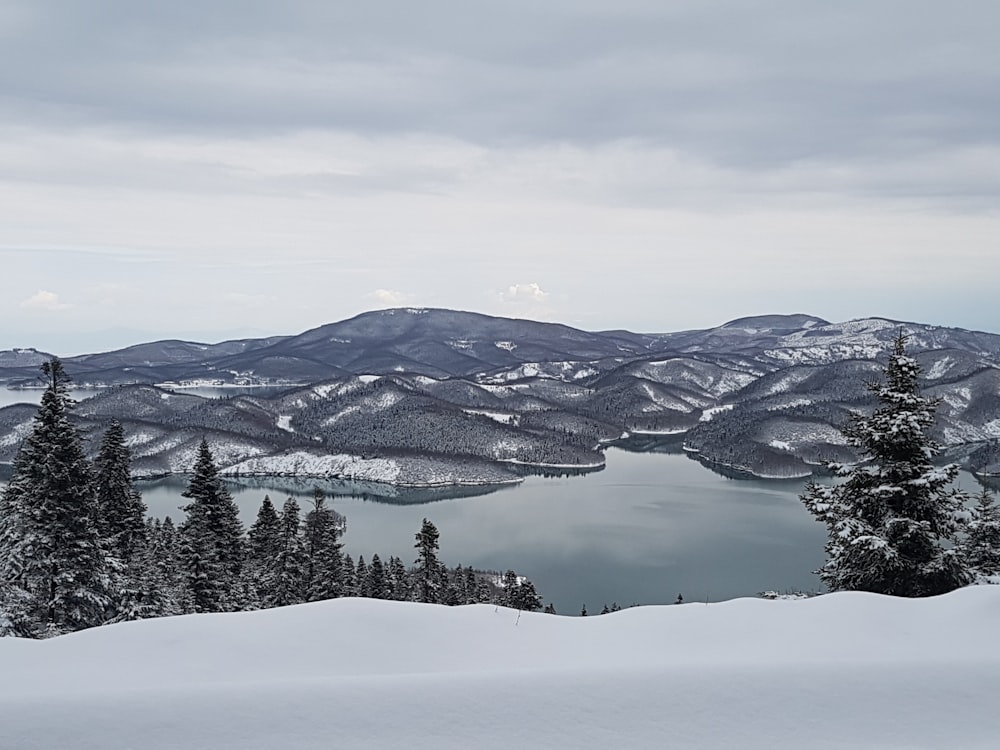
<point x="77" y="549"/>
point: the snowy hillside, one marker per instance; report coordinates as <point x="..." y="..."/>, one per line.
<point x="471" y="394"/>
<point x="839" y="671"/>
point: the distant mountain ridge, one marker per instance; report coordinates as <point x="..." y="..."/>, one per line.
<point x="459" y="398"/>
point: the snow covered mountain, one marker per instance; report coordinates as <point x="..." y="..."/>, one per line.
<point x="459" y="398"/>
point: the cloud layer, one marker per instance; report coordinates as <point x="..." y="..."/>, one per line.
<point x="651" y="165"/>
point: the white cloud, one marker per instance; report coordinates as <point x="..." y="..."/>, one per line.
<point x="45" y="301"/>
<point x="389" y="297"/>
<point x="524" y="293"/>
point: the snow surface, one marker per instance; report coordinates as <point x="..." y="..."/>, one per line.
<point x="837" y="671"/>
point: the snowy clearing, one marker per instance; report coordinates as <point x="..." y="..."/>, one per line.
<point x="837" y="671"/>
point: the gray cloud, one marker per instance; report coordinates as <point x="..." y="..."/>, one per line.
<point x="739" y="84"/>
<point x="655" y="164"/>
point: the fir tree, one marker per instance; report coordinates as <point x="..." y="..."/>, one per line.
<point x="378" y="587"/>
<point x="475" y="591"/>
<point x="361" y="578"/>
<point x="121" y="515"/>
<point x="263" y="548"/>
<point x="524" y="596"/>
<point x="159" y="577"/>
<point x="892" y="519"/>
<point x="323" y="550"/>
<point x="455" y="587"/>
<point x="348" y="582"/>
<point x="54" y="570"/>
<point x="428" y="573"/>
<point x="980" y="550"/>
<point x="213" y="546"/>
<point x="290" y="563"/>
<point x="508" y="587"/>
<point x="400" y="588"/>
<point x="121" y="511"/>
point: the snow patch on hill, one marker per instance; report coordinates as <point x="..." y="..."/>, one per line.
<point x="300" y="463"/>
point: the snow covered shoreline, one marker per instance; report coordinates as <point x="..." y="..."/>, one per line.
<point x="416" y="472"/>
<point x="837" y="671"/>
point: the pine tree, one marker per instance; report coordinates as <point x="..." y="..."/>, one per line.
<point x="213" y="546"/>
<point x="263" y="547"/>
<point x="378" y="585"/>
<point x="121" y="511"/>
<point x="400" y="587"/>
<point x="429" y="578"/>
<point x="121" y="515"/>
<point x="980" y="550"/>
<point x="348" y="582"/>
<point x="454" y="587"/>
<point x="508" y="586"/>
<point x="159" y="572"/>
<point x="323" y="550"/>
<point x="54" y="570"/>
<point x="474" y="588"/>
<point x="361" y="578"/>
<point x="520" y="593"/>
<point x="892" y="519"/>
<point x="290" y="563"/>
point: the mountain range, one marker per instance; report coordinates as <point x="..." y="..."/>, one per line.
<point x="432" y="397"/>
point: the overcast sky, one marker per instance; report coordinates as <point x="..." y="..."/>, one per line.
<point x="218" y="169"/>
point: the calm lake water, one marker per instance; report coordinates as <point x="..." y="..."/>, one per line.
<point x="648" y="527"/>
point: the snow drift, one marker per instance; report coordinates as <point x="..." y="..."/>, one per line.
<point x="843" y="670"/>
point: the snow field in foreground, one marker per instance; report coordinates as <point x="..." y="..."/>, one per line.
<point x="843" y="670"/>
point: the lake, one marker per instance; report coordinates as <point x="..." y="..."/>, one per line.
<point x="647" y="528"/>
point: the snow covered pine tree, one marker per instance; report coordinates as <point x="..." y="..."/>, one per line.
<point x="892" y="519"/>
<point x="212" y="539"/>
<point x="428" y="573"/>
<point x="980" y="550"/>
<point x="54" y="570"/>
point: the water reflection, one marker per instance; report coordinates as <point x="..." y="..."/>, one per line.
<point x="650" y="526"/>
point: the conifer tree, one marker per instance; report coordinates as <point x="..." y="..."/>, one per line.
<point x="361" y="578"/>
<point x="121" y="515"/>
<point x="263" y="547"/>
<point x="348" y="582"/>
<point x="508" y="588"/>
<point x="159" y="573"/>
<point x="429" y="581"/>
<point x="121" y="510"/>
<point x="980" y="550"/>
<point x="399" y="581"/>
<point x="54" y="571"/>
<point x="477" y="586"/>
<point x="457" y="593"/>
<point x="324" y="559"/>
<point x="377" y="581"/>
<point x="213" y="546"/>
<point x="890" y="522"/>
<point x="520" y="593"/>
<point x="290" y="563"/>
